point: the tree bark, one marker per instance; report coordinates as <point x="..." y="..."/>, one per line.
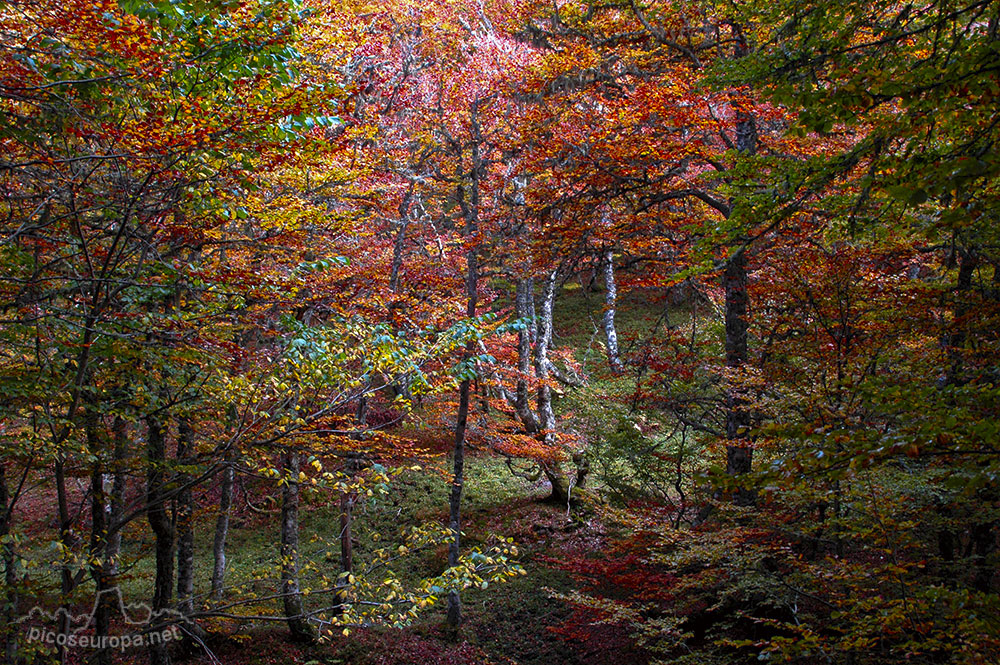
<point x="99" y="521"/>
<point x="68" y="539"/>
<point x="525" y="296"/>
<point x="184" y="519"/>
<point x="399" y="244"/>
<point x="222" y="524"/>
<point x="982" y="538"/>
<point x="10" y="577"/>
<point x="967" y="265"/>
<point x="984" y="543"/>
<point x="119" y="480"/>
<point x="163" y="532"/>
<point x="347" y="499"/>
<point x="346" y="546"/>
<point x="739" y="454"/>
<point x="185" y="515"/>
<point x="470" y="212"/>
<point x="608" y="320"/>
<point x="738" y="451"/>
<point x="458" y="462"/>
<point x="346" y="549"/>
<point x="298" y="625"/>
<point x="546" y="416"/>
<point x="455" y="500"/>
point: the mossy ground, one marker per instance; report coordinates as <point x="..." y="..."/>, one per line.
<point x="513" y="622"/>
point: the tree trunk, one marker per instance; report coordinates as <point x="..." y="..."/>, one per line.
<point x="400" y="242"/>
<point x="524" y="299"/>
<point x="984" y="542"/>
<point x="982" y="538"/>
<point x="119" y="480"/>
<point x="470" y="212"/>
<point x="352" y="464"/>
<point x="458" y="468"/>
<point x="68" y="540"/>
<point x="99" y="523"/>
<point x="163" y="532"/>
<point x="222" y="525"/>
<point x="291" y="597"/>
<point x="347" y="499"/>
<point x="455" y="500"/>
<point x="738" y="451"/>
<point x="10" y="577"/>
<point x="185" y="514"/>
<point x="546" y="416"/>
<point x="559" y="482"/>
<point x="544" y="422"/>
<point x="967" y="265"/>
<point x="608" y="320"/>
<point x="734" y="281"/>
<point x="346" y="547"/>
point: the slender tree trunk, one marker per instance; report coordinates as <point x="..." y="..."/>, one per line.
<point x="99" y="523"/>
<point x="544" y="422"/>
<point x="984" y="543"/>
<point x="163" y="532"/>
<point x="111" y="507"/>
<point x="400" y="242"/>
<point x="346" y="536"/>
<point x="294" y="608"/>
<point x="532" y="317"/>
<point x="458" y="468"/>
<point x="10" y="576"/>
<point x="184" y="520"/>
<point x="738" y="451"/>
<point x="546" y="416"/>
<point x="351" y="467"/>
<point x="222" y="524"/>
<point x="967" y="265"/>
<point x="525" y="296"/>
<point x="455" y="500"/>
<point x="608" y="320"/>
<point x="734" y="280"/>
<point x="401" y="383"/>
<point x="470" y="212"/>
<point x="346" y="546"/>
<point x="68" y="540"/>
<point x="119" y="483"/>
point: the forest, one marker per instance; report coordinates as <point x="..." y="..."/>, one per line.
<point x="511" y="332"/>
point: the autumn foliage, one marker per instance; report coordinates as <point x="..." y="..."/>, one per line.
<point x="265" y="258"/>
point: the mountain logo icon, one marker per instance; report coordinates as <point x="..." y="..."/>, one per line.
<point x="132" y="614"/>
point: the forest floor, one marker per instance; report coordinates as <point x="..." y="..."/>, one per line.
<point x="521" y="621"/>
